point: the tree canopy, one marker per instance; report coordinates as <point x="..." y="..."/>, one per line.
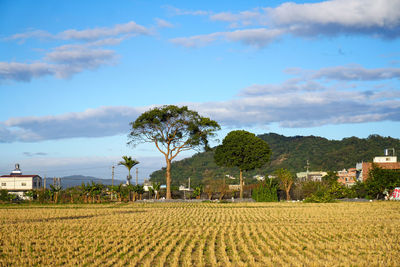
<point x="380" y="180"/>
<point x="244" y="150"/>
<point x="289" y="153"/>
<point x="172" y="129"/>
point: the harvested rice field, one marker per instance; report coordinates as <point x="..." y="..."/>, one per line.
<point x="201" y="234"/>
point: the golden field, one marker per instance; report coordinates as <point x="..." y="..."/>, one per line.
<point x="201" y="234"/>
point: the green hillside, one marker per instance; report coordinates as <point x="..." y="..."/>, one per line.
<point x="287" y="152"/>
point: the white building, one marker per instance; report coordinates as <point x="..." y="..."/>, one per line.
<point x="17" y="184"/>
<point x="311" y="176"/>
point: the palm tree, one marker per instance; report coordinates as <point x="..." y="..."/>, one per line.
<point x="128" y="162"/>
<point x="156" y="188"/>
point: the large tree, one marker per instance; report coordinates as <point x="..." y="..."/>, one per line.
<point x="172" y="129"/>
<point x="129" y="163"/>
<point x="243" y="150"/>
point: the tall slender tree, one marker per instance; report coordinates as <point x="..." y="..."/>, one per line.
<point x="286" y="181"/>
<point x="172" y="129"/>
<point x="129" y="163"/>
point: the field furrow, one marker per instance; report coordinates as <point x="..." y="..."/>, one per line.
<point x="201" y="234"/>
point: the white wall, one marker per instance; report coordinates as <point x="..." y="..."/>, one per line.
<point x="385" y="159"/>
<point x="19" y="183"/>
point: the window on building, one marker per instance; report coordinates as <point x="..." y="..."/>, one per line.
<point x="23" y="184"/>
<point x="3" y="184"/>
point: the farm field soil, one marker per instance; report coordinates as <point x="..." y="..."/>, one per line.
<point x="201" y="234"/>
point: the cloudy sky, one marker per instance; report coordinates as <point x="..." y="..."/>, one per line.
<point x="73" y="74"/>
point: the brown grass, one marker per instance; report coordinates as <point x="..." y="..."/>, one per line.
<point x="206" y="234"/>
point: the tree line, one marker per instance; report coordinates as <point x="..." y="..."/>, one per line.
<point x="175" y="129"/>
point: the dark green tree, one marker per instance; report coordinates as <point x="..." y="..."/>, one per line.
<point x="380" y="180"/>
<point x="266" y="191"/>
<point x="172" y="129"/>
<point x="243" y="150"/>
<point x="331" y="178"/>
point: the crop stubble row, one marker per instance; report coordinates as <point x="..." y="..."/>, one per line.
<point x="202" y="234"/>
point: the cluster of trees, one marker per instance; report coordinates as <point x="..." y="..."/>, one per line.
<point x="175" y="129"/>
<point x="86" y="193"/>
<point x="288" y="153"/>
<point x="379" y="184"/>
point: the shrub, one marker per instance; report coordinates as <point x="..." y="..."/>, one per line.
<point x="321" y="196"/>
<point x="266" y="191"/>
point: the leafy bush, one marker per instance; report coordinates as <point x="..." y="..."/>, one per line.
<point x="326" y="190"/>
<point x="322" y="196"/>
<point x="380" y="180"/>
<point x="266" y="191"/>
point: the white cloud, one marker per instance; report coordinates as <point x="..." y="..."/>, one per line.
<point x="100" y="33"/>
<point x="255" y="37"/>
<point x="29" y="34"/>
<point x="246" y="18"/>
<point x="375" y="18"/>
<point x="372" y="17"/>
<point x="63" y="63"/>
<point x="76" y="60"/>
<point x="163" y="23"/>
<point x="94" y="34"/>
<point x="68" y="59"/>
<point x="24" y="71"/>
<point x="103" y="121"/>
<point x="179" y="11"/>
<point x="356" y="73"/>
<point x="196" y="41"/>
<point x="301" y="101"/>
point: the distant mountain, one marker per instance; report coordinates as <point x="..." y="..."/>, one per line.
<point x="76" y="180"/>
<point x="287" y="152"/>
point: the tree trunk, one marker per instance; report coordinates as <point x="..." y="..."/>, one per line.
<point x="241" y="184"/>
<point x="168" y="178"/>
<point x="287" y="193"/>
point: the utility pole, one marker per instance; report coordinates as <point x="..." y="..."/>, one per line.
<point x="137" y="175"/>
<point x="307" y="167"/>
<point x="112" y="176"/>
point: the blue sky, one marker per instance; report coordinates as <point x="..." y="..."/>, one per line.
<point x="73" y="74"/>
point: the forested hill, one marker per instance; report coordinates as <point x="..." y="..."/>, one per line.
<point x="287" y="152"/>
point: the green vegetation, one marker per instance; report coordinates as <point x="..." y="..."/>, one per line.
<point x="129" y="163"/>
<point x="172" y="130"/>
<point x="381" y="180"/>
<point x="286" y="180"/>
<point x="6" y="197"/>
<point x="289" y="153"/>
<point x="243" y="150"/>
<point x="266" y="191"/>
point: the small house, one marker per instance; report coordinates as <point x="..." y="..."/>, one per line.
<point x="17" y="183"/>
